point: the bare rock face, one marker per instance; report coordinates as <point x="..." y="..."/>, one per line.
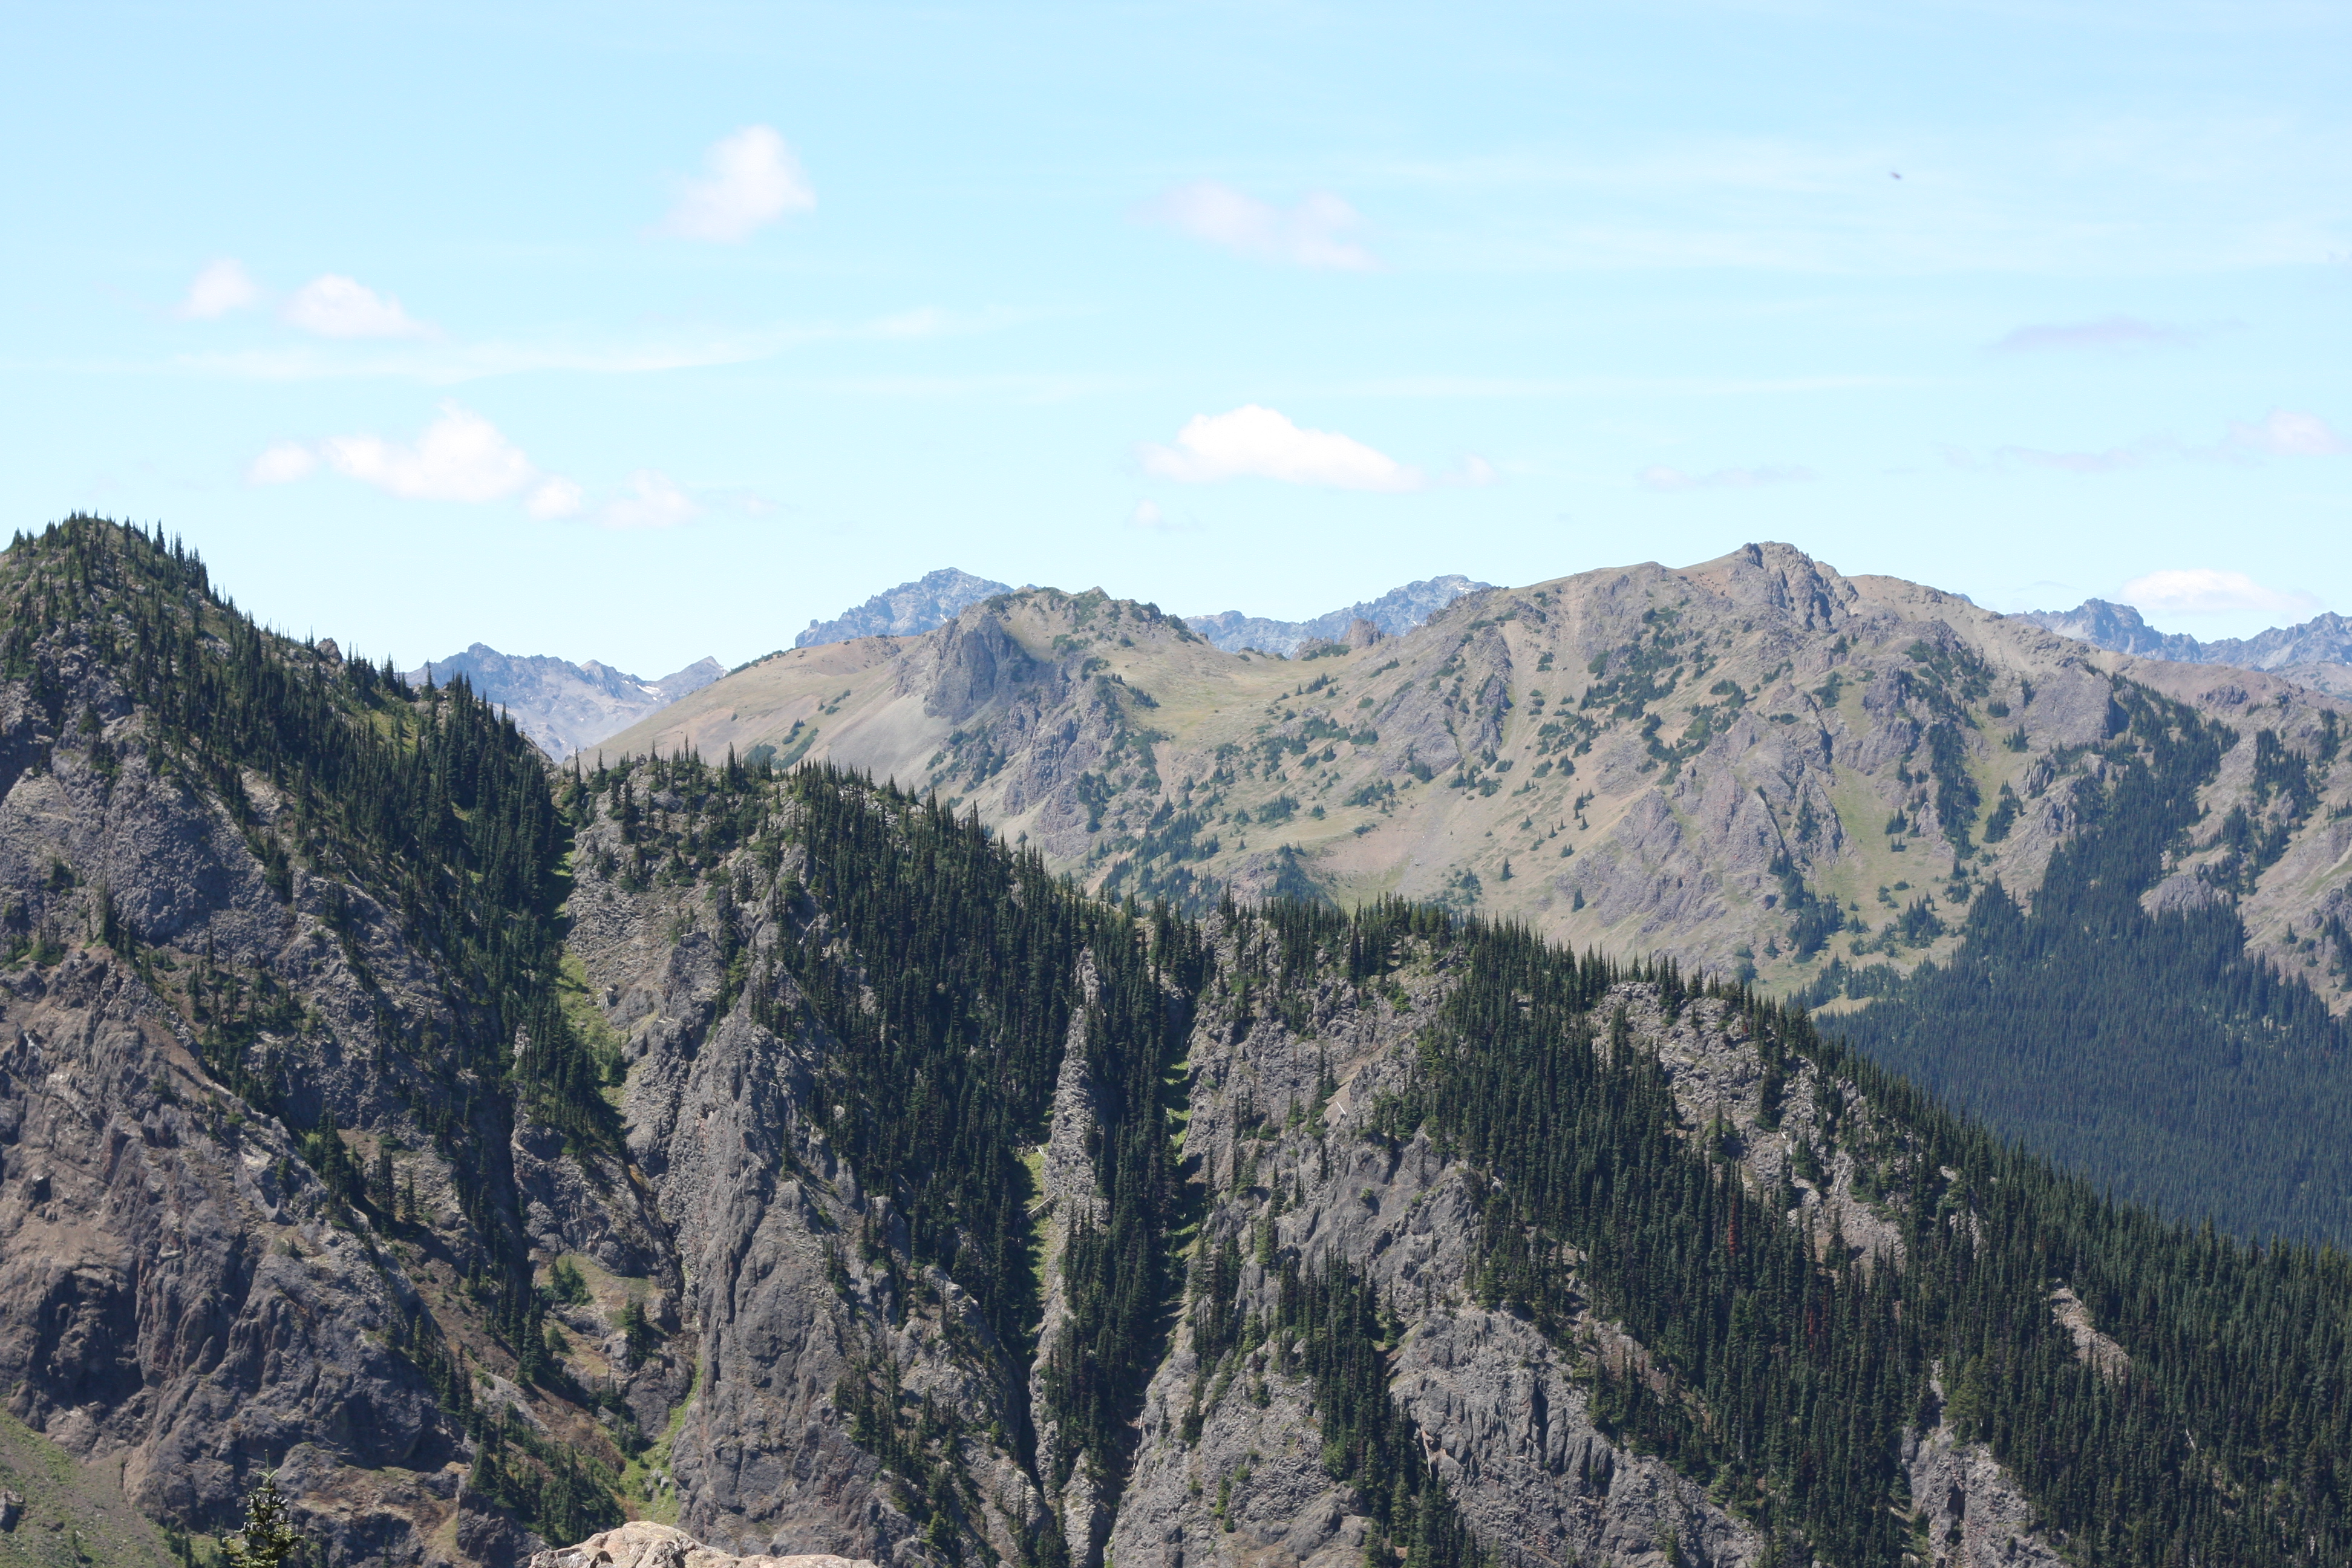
<point x="979" y="663"/>
<point x="1394" y="612"/>
<point x="183" y="1301"/>
<point x="1972" y="1514"/>
<point x="909" y="609"/>
<point x="643" y="1544"/>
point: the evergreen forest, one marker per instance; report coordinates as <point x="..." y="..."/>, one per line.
<point x="2149" y="1052"/>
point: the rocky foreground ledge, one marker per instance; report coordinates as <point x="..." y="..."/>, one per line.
<point x="640" y="1543"/>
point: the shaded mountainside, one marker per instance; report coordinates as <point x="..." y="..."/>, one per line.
<point x="562" y="706"/>
<point x="1755" y="761"/>
<point x="1396" y="612"/>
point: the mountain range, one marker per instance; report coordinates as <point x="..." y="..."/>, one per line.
<point x="938" y="597"/>
<point x="2317" y="653"/>
<point x="562" y="706"/>
<point x="950" y="1172"/>
<point x="566" y="708"/>
<point x="1395" y="612"/>
<point x="1757" y="766"/>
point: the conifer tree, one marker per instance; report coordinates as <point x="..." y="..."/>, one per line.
<point x="268" y="1539"/>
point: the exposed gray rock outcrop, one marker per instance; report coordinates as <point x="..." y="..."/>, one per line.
<point x="1394" y="612"/>
<point x="931" y="600"/>
<point x="564" y="707"/>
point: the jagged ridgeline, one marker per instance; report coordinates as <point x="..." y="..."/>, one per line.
<point x="2153" y="1052"/>
<point x="1767" y="1354"/>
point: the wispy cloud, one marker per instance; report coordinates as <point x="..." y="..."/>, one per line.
<point x="2107" y="460"/>
<point x="1257" y="442"/>
<point x="1421" y="386"/>
<point x="754" y="180"/>
<point x="554" y="497"/>
<point x="463" y="458"/>
<point x="2281" y="433"/>
<point x="2206" y="590"/>
<point x="1314" y="233"/>
<point x="2155" y="195"/>
<point x="1148" y="517"/>
<point x="282" y="464"/>
<point x="334" y="306"/>
<point x="2107" y="334"/>
<point x="222" y="286"/>
<point x="653" y="500"/>
<point x="1661" y="477"/>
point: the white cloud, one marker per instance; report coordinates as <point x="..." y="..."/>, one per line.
<point x="755" y="180"/>
<point x="2205" y="590"/>
<point x="334" y="306"/>
<point x="2284" y="434"/>
<point x="282" y="465"/>
<point x="459" y="456"/>
<point x="462" y="457"/>
<point x="1313" y="234"/>
<point x="654" y="501"/>
<point x="1661" y="477"/>
<point x="223" y="286"/>
<point x="1255" y="442"/>
<point x="2106" y="333"/>
<point x="555" y="496"/>
<point x="1149" y="516"/>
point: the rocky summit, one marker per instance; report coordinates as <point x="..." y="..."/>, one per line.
<point x="690" y="1157"/>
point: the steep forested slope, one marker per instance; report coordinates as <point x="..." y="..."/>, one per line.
<point x="1777" y="1292"/>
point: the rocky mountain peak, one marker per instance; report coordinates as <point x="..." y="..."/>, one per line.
<point x="562" y="706"/>
<point x="909" y="609"/>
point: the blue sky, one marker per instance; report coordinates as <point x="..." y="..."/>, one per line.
<point x="643" y="332"/>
